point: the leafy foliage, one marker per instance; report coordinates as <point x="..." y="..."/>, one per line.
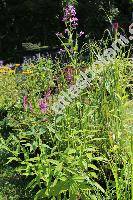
<point x="84" y="153"/>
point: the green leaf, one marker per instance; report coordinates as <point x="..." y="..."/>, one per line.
<point x="70" y="151"/>
<point x="40" y="194"/>
<point x="32" y="185"/>
<point x="12" y="159"/>
<point x="78" y="178"/>
<point x="58" y="168"/>
<point x="92" y="166"/>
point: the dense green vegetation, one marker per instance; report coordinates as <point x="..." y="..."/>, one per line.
<point x="84" y="152"/>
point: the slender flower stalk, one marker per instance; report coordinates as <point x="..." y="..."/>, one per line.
<point x="70" y="36"/>
<point x="25" y="102"/>
<point x="31" y="108"/>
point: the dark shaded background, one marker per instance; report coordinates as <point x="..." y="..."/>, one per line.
<point x="37" y="21"/>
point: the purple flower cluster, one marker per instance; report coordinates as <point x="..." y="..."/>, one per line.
<point x="70" y="16"/>
<point x="43" y="102"/>
<point x="43" y="105"/>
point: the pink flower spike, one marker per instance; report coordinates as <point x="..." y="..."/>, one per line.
<point x="31" y="108"/>
<point x="25" y="102"/>
<point x="70" y="15"/>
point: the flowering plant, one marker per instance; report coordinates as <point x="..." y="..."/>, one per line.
<point x="70" y="34"/>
